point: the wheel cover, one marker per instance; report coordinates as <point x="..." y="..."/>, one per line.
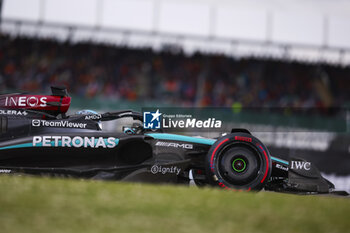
<point x="239" y="165"/>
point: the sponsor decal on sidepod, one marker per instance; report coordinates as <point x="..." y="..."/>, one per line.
<point x="300" y="165"/>
<point x="164" y="170"/>
<point x="63" y="124"/>
<point x="13" y="112"/>
<point x="176" y="145"/>
<point x="77" y="141"/>
<point x="22" y="101"/>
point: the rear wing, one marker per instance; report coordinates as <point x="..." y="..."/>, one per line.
<point x="56" y="103"/>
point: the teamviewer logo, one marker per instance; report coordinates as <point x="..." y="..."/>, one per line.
<point x="36" y="123"/>
<point x="151" y="120"/>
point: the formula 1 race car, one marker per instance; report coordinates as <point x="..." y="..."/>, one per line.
<point x="38" y="138"/>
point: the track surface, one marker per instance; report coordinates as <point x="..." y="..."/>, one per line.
<point x="38" y="205"/>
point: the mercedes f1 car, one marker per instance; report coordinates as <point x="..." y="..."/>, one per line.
<point x="38" y="138"/>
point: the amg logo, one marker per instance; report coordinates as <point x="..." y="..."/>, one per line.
<point x="300" y="165"/>
<point x="176" y="145"/>
<point x="64" y="124"/>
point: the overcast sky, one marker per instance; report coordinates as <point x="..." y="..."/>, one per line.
<point x="302" y="22"/>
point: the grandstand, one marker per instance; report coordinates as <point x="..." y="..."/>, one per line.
<point x="255" y="53"/>
<point x="138" y="74"/>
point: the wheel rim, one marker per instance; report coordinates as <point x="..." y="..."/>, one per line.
<point x="239" y="165"/>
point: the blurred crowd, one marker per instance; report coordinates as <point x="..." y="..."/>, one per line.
<point x="88" y="69"/>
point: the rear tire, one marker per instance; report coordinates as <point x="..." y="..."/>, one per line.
<point x="238" y="161"/>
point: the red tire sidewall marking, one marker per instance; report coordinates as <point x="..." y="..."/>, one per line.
<point x="267" y="164"/>
<point x="213" y="154"/>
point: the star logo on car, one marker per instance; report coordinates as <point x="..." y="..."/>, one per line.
<point x="156" y="115"/>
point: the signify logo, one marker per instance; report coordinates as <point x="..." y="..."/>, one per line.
<point x="164" y="170"/>
<point x="67" y="141"/>
<point x="62" y="124"/>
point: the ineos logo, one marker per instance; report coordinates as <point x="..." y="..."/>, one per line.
<point x="32" y="101"/>
<point x="23" y="101"/>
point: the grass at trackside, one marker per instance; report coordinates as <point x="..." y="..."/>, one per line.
<point x="47" y="205"/>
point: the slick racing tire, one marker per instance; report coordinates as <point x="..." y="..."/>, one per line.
<point x="238" y="161"/>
